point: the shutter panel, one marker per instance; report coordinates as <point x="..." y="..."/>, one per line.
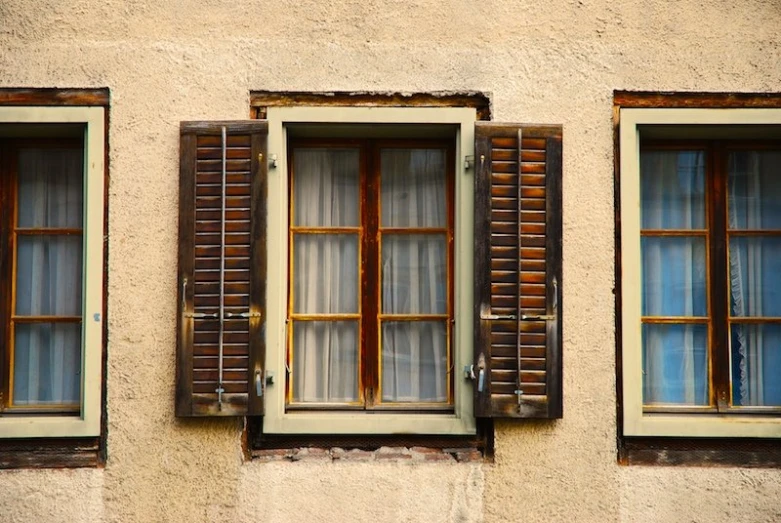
<point x="202" y="253"/>
<point x="518" y="271"/>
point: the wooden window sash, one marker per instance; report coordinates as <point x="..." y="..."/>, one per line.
<point x="717" y="235"/>
<point x="9" y="232"/>
<point x="370" y="231"/>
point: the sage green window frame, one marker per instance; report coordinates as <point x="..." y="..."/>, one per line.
<point x="276" y="420"/>
<point x="88" y="420"/>
<point x="635" y="123"/>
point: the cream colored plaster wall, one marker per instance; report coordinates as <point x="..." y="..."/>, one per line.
<point x="549" y="62"/>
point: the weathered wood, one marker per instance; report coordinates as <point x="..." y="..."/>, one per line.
<point x="695" y="100"/>
<point x="50" y="453"/>
<point x="58" y="97"/>
<point x="201" y="248"/>
<point x="478" y="101"/>
<point x="517" y="261"/>
<point x="258" y="263"/>
<point x="554" y="301"/>
<point x="709" y="452"/>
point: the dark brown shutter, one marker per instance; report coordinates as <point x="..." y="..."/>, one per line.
<point x="200" y="245"/>
<point x="517" y="271"/>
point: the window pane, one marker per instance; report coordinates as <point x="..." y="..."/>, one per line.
<point x="413" y="188"/>
<point x="325" y="187"/>
<point x="325" y="273"/>
<point x="675" y="364"/>
<point x="325" y="361"/>
<point x="755" y="276"/>
<point x="50" y="188"/>
<point x="47" y="363"/>
<point x="672" y="189"/>
<point x="414" y="361"/>
<point x="48" y="275"/>
<point x="756" y="364"/>
<point x="754" y="190"/>
<point x="673" y="276"/>
<point x="414" y="274"/>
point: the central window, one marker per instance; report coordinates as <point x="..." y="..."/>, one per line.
<point x="370" y="303"/>
<point x="369" y="290"/>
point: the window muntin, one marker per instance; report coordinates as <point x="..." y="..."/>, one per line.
<point x="374" y="216"/>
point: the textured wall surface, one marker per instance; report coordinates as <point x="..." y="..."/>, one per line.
<point x="546" y="62"/>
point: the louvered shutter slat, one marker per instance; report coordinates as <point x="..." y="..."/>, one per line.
<point x="518" y="270"/>
<point x="202" y="244"/>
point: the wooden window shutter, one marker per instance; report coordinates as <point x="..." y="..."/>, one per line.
<point x="207" y="150"/>
<point x="518" y="271"/>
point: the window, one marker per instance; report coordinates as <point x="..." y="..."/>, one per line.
<point x="369" y="270"/>
<point x="51" y="186"/>
<point x="701" y="277"/>
<point x="370" y="296"/>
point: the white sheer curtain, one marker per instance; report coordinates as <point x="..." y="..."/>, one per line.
<point x="755" y="276"/>
<point x="675" y="364"/>
<point x="47" y="355"/>
<point x="414" y="275"/>
<point x="325" y="273"/>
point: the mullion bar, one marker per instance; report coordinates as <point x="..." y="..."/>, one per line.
<point x="716" y="171"/>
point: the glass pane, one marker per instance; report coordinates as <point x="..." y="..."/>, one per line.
<point x="325" y="273"/>
<point x="48" y="275"/>
<point x="47" y="363"/>
<point x="325" y="187"/>
<point x="325" y="361"/>
<point x="50" y="188"/>
<point x="413" y="188"/>
<point x="414" y="274"/>
<point x="414" y="361"/>
<point x="755" y="276"/>
<point x="756" y="364"/>
<point x="672" y="189"/>
<point x="673" y="276"/>
<point x="754" y="190"/>
<point x="675" y="364"/>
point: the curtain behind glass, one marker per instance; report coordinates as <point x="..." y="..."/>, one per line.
<point x="754" y="193"/>
<point x="325" y="274"/>
<point x="414" y="275"/>
<point x="675" y="364"/>
<point x="47" y="355"/>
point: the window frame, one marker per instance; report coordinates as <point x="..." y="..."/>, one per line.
<point x="636" y="422"/>
<point x="279" y="421"/>
<point x="88" y="422"/>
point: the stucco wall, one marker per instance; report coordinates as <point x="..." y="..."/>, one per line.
<point x="547" y="62"/>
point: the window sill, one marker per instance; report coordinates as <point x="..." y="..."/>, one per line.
<point x="701" y="425"/>
<point x="50" y="453"/>
<point x="703" y="452"/>
<point x="361" y="447"/>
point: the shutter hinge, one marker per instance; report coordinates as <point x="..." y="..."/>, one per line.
<point x="469" y="161"/>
